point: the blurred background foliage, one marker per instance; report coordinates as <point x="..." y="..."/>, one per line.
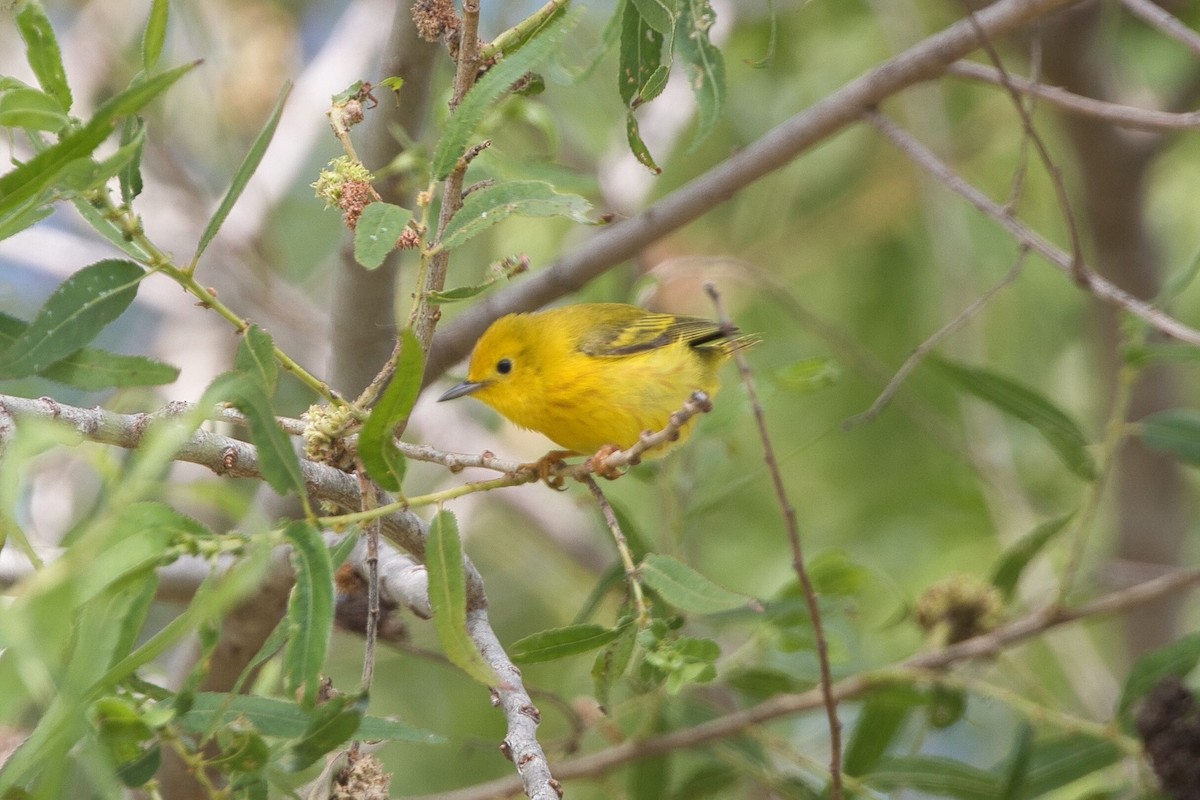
<point x="844" y="260"/>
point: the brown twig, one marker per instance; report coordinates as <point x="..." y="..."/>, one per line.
<point x="1098" y="286"/>
<point x="1166" y="22"/>
<point x="366" y="490"/>
<point x="918" y="354"/>
<point x="793" y="532"/>
<point x="614" y="527"/>
<point x="1079" y="268"/>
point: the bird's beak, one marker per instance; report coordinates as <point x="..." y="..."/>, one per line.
<point x="466" y="387"/>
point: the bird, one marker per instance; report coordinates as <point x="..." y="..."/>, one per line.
<point x="591" y="376"/>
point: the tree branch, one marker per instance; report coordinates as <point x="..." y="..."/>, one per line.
<point x="924" y="61"/>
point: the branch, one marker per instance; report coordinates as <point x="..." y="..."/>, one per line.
<point x="233" y="458"/>
<point x="1097" y="285"/>
<point x="1125" y="116"/>
<point x="777" y="148"/>
<point x="984" y="646"/>
<point x="1160" y="18"/>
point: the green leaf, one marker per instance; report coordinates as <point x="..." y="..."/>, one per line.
<point x="709" y="780"/>
<point x="448" y="598"/>
<point x="244" y="172"/>
<point x="492" y="204"/>
<point x="15" y="221"/>
<point x="1016" y="400"/>
<point x="686" y="589"/>
<point x="611" y="663"/>
<point x="1016" y="771"/>
<point x="1176" y="432"/>
<point x="881" y="718"/>
<point x="491" y="87"/>
<point x="277" y="460"/>
<point x="33" y="177"/>
<point x="379" y="227"/>
<point x="91" y="369"/>
<point x="1176" y="659"/>
<point x="1061" y="760"/>
<point x="641" y="54"/>
<point x="658" y="14"/>
<point x="284" y="718"/>
<point x="332" y="724"/>
<point x="703" y="61"/>
<point x="637" y="146"/>
<point x="133" y="135"/>
<point x="376" y="446"/>
<point x="72" y="316"/>
<point x="256" y="358"/>
<point x="29" y="108"/>
<point x="310" y="612"/>
<point x="762" y="682"/>
<point x="561" y="642"/>
<point x="942" y="777"/>
<point x="155" y="34"/>
<point x="1007" y="572"/>
<point x="42" y="52"/>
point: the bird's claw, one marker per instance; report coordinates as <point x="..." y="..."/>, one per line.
<point x="545" y="467"/>
<point x="596" y="465"/>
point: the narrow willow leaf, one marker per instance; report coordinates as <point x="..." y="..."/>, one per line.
<point x="561" y="642"/>
<point x="94" y="369"/>
<point x="1061" y="760"/>
<point x="332" y="724"/>
<point x="276" y="459"/>
<point x="310" y="612"/>
<point x="29" y="108"/>
<point x="155" y="34"/>
<point x="637" y="146"/>
<point x="378" y="229"/>
<point x="459" y="293"/>
<point x="42" y="52"/>
<point x="1176" y="659"/>
<point x="612" y="661"/>
<point x="654" y="85"/>
<point x="490" y="88"/>
<point x="105" y="227"/>
<point x="712" y="780"/>
<point x="133" y="134"/>
<point x="658" y="14"/>
<point x="1016" y="400"/>
<point x="1017" y="768"/>
<point x="33" y="177"/>
<point x="448" y="598"/>
<point x="1007" y="573"/>
<point x="640" y="56"/>
<point x="703" y="61"/>
<point x="492" y="204"/>
<point x="285" y="719"/>
<point x="686" y="589"/>
<point x="244" y="173"/>
<point x="880" y="720"/>
<point x="72" y="316"/>
<point x="256" y="357"/>
<point x="18" y="220"/>
<point x="376" y="446"/>
<point x="934" y="775"/>
<point x="1176" y="432"/>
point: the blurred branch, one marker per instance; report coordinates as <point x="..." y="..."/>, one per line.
<point x="1166" y="22"/>
<point x="233" y="458"/>
<point x="1098" y="286"/>
<point x="777" y="148"/>
<point x="1115" y="113"/>
<point x="983" y="646"/>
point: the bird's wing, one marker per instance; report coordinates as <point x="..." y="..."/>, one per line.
<point x="635" y="334"/>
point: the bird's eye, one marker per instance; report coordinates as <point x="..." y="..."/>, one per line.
<point x="504" y="366"/>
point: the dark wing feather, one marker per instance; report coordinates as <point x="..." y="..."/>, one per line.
<point x="637" y="333"/>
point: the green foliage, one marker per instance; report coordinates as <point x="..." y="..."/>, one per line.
<point x="448" y="597"/>
<point x="376" y="445"/>
<point x="378" y="230"/>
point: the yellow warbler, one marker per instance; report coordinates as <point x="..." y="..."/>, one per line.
<point x="596" y="374"/>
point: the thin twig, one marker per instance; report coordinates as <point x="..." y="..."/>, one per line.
<point x="1160" y="18"/>
<point x="1079" y="269"/>
<point x="1098" y="286"/>
<point x="614" y="527"/>
<point x="1145" y="119"/>
<point x="369" y="499"/>
<point x="793" y="531"/>
<point x="918" y="354"/>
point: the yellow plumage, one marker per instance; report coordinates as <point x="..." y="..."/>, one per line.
<point x="596" y="374"/>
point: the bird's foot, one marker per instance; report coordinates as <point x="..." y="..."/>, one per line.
<point x="596" y="464"/>
<point x="545" y="467"/>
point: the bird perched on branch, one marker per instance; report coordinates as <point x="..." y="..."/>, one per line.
<point x="595" y="375"/>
